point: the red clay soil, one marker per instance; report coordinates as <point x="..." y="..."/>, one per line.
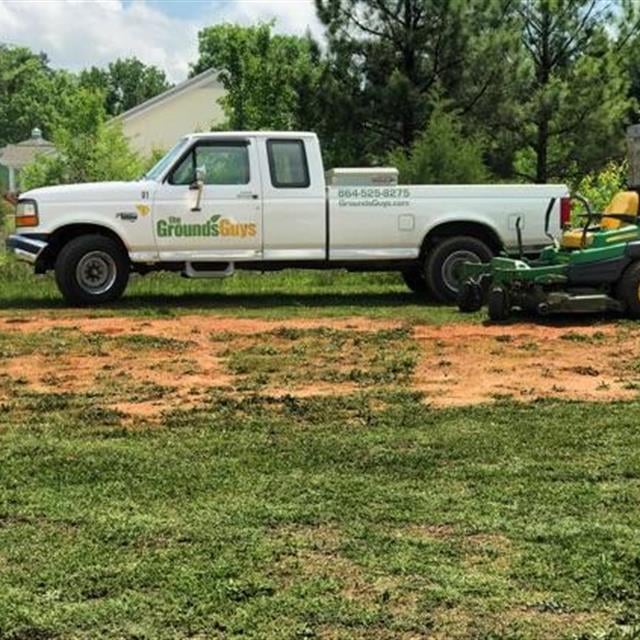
<point x="458" y="364"/>
<point x="469" y="364"/>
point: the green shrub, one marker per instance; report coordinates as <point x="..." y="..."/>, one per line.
<point x="153" y="158"/>
<point x="6" y="215"/>
<point x="89" y="148"/>
<point x="443" y="154"/>
<point x="598" y="188"/>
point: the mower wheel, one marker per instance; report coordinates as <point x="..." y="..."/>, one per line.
<point x="498" y="304"/>
<point x="628" y="289"/>
<point x="469" y="297"/>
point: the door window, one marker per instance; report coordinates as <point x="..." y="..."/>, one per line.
<point x="288" y="164"/>
<point x="225" y="163"/>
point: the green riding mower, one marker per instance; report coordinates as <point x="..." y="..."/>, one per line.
<point x="592" y="268"/>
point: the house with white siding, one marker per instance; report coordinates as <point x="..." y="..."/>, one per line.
<point x="158" y="123"/>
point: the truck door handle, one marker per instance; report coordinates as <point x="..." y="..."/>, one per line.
<point x="247" y="195"/>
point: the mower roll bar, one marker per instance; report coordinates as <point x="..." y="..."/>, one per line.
<point x="625" y="217"/>
<point x="589" y="216"/>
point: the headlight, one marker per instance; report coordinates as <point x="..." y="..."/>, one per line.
<point x="27" y="213"/>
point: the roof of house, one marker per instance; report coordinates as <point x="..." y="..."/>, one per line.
<point x="191" y="83"/>
<point x="23" y="153"/>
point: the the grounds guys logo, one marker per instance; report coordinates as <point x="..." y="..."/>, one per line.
<point x="215" y="227"/>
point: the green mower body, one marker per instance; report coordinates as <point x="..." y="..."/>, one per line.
<point x="602" y="274"/>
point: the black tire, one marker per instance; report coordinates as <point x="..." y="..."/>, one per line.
<point x="92" y="270"/>
<point x="415" y="280"/>
<point x="445" y="259"/>
<point x="499" y="305"/>
<point x="628" y="290"/>
<point x="469" y="297"/>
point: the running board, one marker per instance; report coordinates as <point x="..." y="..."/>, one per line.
<point x="208" y="269"/>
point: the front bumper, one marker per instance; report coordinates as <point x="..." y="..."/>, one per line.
<point x="25" y="248"/>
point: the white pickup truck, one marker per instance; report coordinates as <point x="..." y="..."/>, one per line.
<point x="218" y="202"/>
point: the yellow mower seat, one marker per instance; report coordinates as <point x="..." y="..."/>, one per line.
<point x="572" y="239"/>
<point x="626" y="202"/>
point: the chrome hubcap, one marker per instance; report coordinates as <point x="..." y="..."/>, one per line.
<point x="96" y="272"/>
<point x="452" y="266"/>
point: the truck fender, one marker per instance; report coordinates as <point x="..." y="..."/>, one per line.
<point x="86" y="221"/>
<point x="64" y="232"/>
<point x="451" y="225"/>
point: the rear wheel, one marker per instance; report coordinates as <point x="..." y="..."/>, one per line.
<point x="92" y="269"/>
<point x="499" y="305"/>
<point x="415" y="280"/>
<point x="628" y="290"/>
<point x="444" y="264"/>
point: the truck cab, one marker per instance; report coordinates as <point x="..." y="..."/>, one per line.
<point x="261" y="198"/>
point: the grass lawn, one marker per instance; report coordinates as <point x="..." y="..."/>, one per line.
<point x="369" y="516"/>
<point x="271" y="295"/>
<point x="362" y="515"/>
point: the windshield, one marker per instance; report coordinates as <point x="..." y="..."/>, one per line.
<point x="159" y="168"/>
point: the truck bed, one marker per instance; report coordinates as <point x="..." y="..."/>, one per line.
<point x="390" y="222"/>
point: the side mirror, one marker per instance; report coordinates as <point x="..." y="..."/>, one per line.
<point x="198" y="182"/>
<point x="198" y="185"/>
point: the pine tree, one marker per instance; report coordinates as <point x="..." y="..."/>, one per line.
<point x="407" y="53"/>
<point x="574" y="97"/>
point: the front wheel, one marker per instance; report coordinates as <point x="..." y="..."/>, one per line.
<point x="444" y="264"/>
<point x="498" y="304"/>
<point x="92" y="269"/>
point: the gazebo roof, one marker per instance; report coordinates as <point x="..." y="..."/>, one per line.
<point x="17" y="156"/>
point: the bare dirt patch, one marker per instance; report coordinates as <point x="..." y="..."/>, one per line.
<point x="468" y="364"/>
<point x="143" y="367"/>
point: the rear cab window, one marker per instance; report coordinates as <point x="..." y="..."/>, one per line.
<point x="288" y="164"/>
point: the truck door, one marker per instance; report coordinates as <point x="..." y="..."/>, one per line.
<point x="294" y="213"/>
<point x="227" y="223"/>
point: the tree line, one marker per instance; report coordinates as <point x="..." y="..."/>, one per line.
<point x="447" y="90"/>
<point x="73" y="110"/>
<point x="452" y="90"/>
